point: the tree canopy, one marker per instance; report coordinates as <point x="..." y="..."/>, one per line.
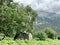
<point x="15" y="18"/>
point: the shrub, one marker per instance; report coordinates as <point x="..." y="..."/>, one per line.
<point x="51" y="33"/>
<point x="41" y="35"/>
<point x="58" y="37"/>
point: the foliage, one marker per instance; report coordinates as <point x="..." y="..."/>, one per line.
<point x="5" y="2"/>
<point x="16" y="18"/>
<point x="1" y="36"/>
<point x="29" y="42"/>
<point x="58" y="36"/>
<point x="51" y="33"/>
<point x="40" y="35"/>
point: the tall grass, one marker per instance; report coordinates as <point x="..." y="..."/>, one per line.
<point x="29" y="42"/>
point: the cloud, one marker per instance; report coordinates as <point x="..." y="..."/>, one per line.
<point x="25" y="2"/>
<point x="45" y="5"/>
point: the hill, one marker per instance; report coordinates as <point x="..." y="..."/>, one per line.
<point x="47" y="19"/>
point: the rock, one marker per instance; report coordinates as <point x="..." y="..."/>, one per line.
<point x="29" y="36"/>
<point x="23" y="36"/>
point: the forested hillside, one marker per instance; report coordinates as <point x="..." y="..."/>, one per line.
<point x="46" y="19"/>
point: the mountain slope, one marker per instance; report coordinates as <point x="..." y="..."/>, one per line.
<point x="46" y="19"/>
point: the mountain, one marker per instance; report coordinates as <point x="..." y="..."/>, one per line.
<point x="47" y="19"/>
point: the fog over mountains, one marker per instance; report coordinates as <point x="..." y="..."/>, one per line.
<point x="45" y="5"/>
<point x="46" y="19"/>
<point x="48" y="12"/>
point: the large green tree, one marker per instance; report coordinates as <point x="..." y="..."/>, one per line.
<point x="15" y="18"/>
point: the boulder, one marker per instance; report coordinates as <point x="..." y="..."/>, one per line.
<point x="23" y="36"/>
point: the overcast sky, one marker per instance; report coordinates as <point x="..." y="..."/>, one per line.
<point x="45" y="5"/>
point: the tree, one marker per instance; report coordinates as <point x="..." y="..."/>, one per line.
<point x="15" y="18"/>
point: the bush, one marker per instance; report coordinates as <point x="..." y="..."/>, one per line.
<point x="51" y="33"/>
<point x="58" y="37"/>
<point x="41" y="35"/>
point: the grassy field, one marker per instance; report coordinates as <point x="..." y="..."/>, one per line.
<point x="29" y="42"/>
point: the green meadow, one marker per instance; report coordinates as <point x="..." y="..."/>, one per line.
<point x="29" y="42"/>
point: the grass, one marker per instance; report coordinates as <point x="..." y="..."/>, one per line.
<point x="29" y="42"/>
